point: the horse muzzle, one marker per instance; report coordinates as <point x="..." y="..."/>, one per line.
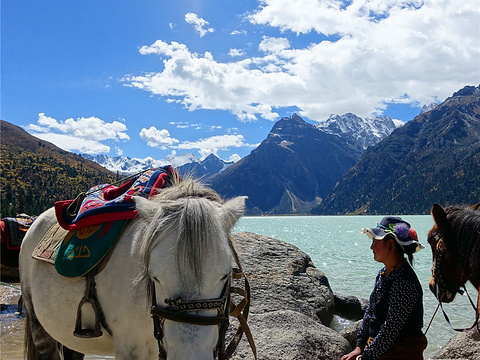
<point x="442" y="295"/>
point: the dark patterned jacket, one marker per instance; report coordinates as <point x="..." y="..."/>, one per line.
<point x="395" y="311"/>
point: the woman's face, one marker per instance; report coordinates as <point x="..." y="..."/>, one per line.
<point x="380" y="250"/>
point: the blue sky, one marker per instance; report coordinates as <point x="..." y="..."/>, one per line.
<point x="153" y="78"/>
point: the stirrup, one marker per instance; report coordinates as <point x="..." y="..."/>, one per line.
<point x="87" y="333"/>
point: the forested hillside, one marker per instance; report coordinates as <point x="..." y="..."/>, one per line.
<point x="36" y="173"/>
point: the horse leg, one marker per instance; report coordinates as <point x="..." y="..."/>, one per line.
<point x="69" y="354"/>
<point x="39" y="345"/>
<point x="20" y="305"/>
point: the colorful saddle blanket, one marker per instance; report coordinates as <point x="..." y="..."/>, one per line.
<point x="102" y="215"/>
<point x="13" y="230"/>
<point x="104" y="203"/>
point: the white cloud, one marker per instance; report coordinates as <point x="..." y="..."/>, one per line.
<point x="157" y="138"/>
<point x="238" y="32"/>
<point x="235" y="52"/>
<point x="83" y="135"/>
<point x="375" y="52"/>
<point x="273" y="45"/>
<point x="213" y="144"/>
<point x="73" y="143"/>
<point x="91" y="128"/>
<point x="199" y="24"/>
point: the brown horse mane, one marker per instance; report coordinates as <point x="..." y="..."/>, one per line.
<point x="463" y="242"/>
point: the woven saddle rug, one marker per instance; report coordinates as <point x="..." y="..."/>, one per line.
<point x="13" y="230"/>
<point x="81" y="241"/>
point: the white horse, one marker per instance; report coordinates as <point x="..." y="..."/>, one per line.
<point x="178" y="243"/>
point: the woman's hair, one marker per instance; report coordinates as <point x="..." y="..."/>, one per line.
<point x="409" y="250"/>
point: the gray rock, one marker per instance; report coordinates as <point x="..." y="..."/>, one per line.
<point x="350" y="307"/>
<point x="290" y="335"/>
<point x="284" y="278"/>
<point x="465" y="345"/>
<point x="292" y="303"/>
<point x="350" y="333"/>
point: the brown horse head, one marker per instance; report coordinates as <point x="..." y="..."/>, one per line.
<point x="447" y="238"/>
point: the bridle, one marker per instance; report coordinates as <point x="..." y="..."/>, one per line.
<point x="440" y="285"/>
<point x="179" y="310"/>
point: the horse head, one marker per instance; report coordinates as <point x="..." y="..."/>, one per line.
<point x="188" y="258"/>
<point x="448" y="273"/>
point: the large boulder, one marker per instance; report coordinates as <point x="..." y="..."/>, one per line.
<point x="466" y="345"/>
<point x="284" y="278"/>
<point x="292" y="303"/>
<point x="350" y="307"/>
<point x="290" y="335"/>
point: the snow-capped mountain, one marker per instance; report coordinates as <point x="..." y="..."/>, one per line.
<point x="365" y="132"/>
<point x="426" y="108"/>
<point x="128" y="165"/>
<point x="186" y="163"/>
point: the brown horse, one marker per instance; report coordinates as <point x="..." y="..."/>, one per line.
<point x="455" y="242"/>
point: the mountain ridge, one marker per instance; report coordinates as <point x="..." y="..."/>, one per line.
<point x="290" y="170"/>
<point x="433" y="158"/>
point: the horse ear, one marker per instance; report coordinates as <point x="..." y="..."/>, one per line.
<point x="475" y="207"/>
<point x="234" y="209"/>
<point x="439" y="216"/>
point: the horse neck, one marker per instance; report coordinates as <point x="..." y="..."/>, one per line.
<point x="463" y="244"/>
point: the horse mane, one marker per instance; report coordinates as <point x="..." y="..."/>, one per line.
<point x="465" y="226"/>
<point x="190" y="208"/>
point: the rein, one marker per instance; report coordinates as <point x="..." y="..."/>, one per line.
<point x="178" y="310"/>
<point x="440" y="289"/>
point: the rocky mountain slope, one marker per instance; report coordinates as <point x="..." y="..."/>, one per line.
<point x="364" y="132"/>
<point x="290" y="170"/>
<point x="432" y="158"/>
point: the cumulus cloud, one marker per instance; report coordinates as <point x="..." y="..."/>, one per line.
<point x="273" y="45"/>
<point x="157" y="138"/>
<point x="86" y="128"/>
<point x="83" y="135"/>
<point x="235" y="52"/>
<point x="73" y="143"/>
<point x="365" y="54"/>
<point x="213" y="144"/>
<point x="200" y="25"/>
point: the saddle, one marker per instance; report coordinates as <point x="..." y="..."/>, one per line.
<point x="13" y="230"/>
<point x="87" y="230"/>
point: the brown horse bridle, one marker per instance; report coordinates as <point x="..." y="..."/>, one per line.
<point x="178" y="310"/>
<point x="440" y="285"/>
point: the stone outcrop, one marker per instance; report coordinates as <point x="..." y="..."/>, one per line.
<point x="292" y="303"/>
<point x="284" y="278"/>
<point x="465" y="345"/>
<point x="350" y="307"/>
<point x="290" y="335"/>
<point x="350" y="333"/>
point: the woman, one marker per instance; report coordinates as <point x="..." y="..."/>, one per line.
<point x="392" y="324"/>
